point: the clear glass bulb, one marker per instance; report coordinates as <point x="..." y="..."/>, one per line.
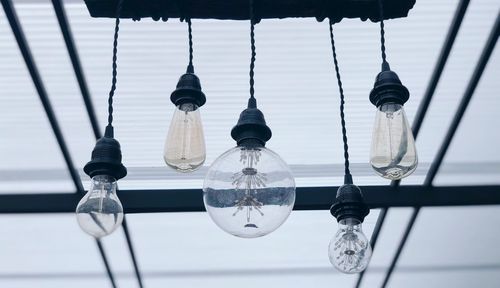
<point x="249" y="192"/>
<point x="393" y="153"/>
<point x="185" y="146"/>
<point x="100" y="212"/>
<point x="349" y="250"/>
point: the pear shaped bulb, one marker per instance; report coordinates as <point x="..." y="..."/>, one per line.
<point x="100" y="212"/>
<point x="393" y="153"/>
<point x="185" y="145"/>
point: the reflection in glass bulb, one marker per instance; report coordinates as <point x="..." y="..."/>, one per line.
<point x="393" y="152"/>
<point x="100" y="212"/>
<point x="249" y="192"/>
<point x="185" y="146"/>
<point x="349" y="251"/>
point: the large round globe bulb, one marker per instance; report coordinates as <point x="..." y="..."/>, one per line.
<point x="249" y="191"/>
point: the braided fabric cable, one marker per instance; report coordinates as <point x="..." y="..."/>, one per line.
<point x="252" y="45"/>
<point x="342" y="102"/>
<point x="385" y="64"/>
<point x="114" y="65"/>
<point x="190" y="39"/>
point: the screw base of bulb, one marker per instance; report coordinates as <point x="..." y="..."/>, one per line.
<point x="388" y="89"/>
<point x="188" y="90"/>
<point x="349" y="203"/>
<point x="106" y="158"/>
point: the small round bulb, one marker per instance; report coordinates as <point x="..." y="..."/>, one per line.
<point x="249" y="191"/>
<point x="185" y="145"/>
<point x="349" y="250"/>
<point x="100" y="212"/>
<point x="393" y="153"/>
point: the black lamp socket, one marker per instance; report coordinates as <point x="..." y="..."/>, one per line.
<point x="349" y="203"/>
<point x="251" y="129"/>
<point x="388" y="89"/>
<point x="106" y="157"/>
<point x="188" y="90"/>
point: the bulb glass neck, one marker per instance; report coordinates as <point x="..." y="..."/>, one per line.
<point x="350" y="222"/>
<point x="105" y="179"/>
<point x="187" y="107"/>
<point x="390" y="107"/>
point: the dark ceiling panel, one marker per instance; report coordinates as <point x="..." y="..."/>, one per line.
<point x="239" y="9"/>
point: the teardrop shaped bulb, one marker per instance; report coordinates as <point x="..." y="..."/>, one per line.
<point x="185" y="146"/>
<point x="393" y="153"/>
<point x="100" y="211"/>
<point x="349" y="250"/>
<point x="249" y="192"/>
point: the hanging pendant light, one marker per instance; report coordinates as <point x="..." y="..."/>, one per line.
<point x="249" y="191"/>
<point x="100" y="212"/>
<point x="349" y="250"/>
<point x="393" y="153"/>
<point x="185" y="145"/>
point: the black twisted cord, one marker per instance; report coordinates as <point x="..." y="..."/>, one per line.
<point x="385" y="64"/>
<point x="252" y="44"/>
<point x="342" y="118"/>
<point x="190" y="38"/>
<point x="114" y="65"/>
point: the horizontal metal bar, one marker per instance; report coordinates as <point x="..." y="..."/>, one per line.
<point x="308" y="198"/>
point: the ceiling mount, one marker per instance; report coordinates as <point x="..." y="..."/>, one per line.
<point x="238" y="9"/>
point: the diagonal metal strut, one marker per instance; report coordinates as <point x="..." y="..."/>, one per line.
<point x="42" y="93"/>
<point x="436" y="164"/>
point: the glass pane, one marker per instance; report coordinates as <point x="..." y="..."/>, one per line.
<point x="475" y="144"/>
<point x="457" y="278"/>
<point x="55" y="281"/>
<point x="47" y="245"/>
<point x="119" y="258"/>
<point x="454" y="236"/>
<point x="31" y="159"/>
<point x="188" y="248"/>
<point x="388" y="240"/>
<point x="49" y="51"/>
<point x="473" y="157"/>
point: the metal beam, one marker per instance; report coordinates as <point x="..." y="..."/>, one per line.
<point x="436" y="164"/>
<point x="82" y="83"/>
<point x="424" y="104"/>
<point x="308" y="198"/>
<point x="44" y="98"/>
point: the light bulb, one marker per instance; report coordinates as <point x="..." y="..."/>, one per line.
<point x="185" y="145"/>
<point x="393" y="152"/>
<point x="100" y="212"/>
<point x="249" y="191"/>
<point x="349" y="250"/>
